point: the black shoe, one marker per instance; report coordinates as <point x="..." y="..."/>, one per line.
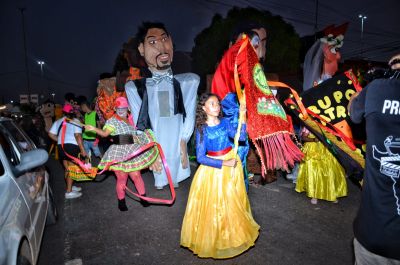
<point x="122" y="205"/>
<point x="144" y="203"/>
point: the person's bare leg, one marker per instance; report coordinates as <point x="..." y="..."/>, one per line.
<point x="68" y="180"/>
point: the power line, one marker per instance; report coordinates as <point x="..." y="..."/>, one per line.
<point x="61" y="81"/>
<point x="12" y="72"/>
<point x="354" y="20"/>
<point x="309" y="14"/>
<point x="369" y="49"/>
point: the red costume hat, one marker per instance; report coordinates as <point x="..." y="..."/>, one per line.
<point x="334" y="35"/>
<point x="121" y="102"/>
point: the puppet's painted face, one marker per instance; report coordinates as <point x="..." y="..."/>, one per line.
<point x="260" y="43"/>
<point x="47" y="110"/>
<point x="331" y="59"/>
<point x="157" y="49"/>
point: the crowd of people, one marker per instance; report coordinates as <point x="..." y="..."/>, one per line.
<point x="144" y="104"/>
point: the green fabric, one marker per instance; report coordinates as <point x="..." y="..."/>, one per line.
<point x="90" y="119"/>
<point x="110" y="128"/>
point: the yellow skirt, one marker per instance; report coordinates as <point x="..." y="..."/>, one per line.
<point x="218" y="222"/>
<point x="320" y="174"/>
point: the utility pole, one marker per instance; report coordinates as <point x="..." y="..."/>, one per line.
<point x="28" y="82"/>
<point x="316" y="20"/>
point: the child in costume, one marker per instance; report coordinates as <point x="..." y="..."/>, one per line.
<point x="320" y="174"/>
<point x="126" y="140"/>
<point x="218" y="222"/>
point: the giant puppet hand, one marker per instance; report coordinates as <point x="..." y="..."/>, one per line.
<point x="184" y="155"/>
<point x="351" y="100"/>
<point x="156" y="166"/>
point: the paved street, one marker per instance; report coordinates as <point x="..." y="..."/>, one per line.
<point x="91" y="229"/>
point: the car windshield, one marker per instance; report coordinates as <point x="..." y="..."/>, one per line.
<point x="14" y="142"/>
<point x="23" y="142"/>
<point x="8" y="151"/>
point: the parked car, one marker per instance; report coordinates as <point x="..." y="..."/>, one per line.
<point x="25" y="196"/>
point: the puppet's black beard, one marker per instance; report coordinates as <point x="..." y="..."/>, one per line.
<point x="163" y="67"/>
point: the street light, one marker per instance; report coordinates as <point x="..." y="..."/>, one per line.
<point x="53" y="94"/>
<point x="41" y="63"/>
<point x="362" y="17"/>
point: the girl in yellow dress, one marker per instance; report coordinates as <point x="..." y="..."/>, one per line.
<point x="218" y="222"/>
<point x="320" y="174"/>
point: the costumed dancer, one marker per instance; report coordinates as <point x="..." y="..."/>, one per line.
<point x="268" y="126"/>
<point x="165" y="102"/>
<point x="126" y="140"/>
<point x="320" y="174"/>
<point x="229" y="103"/>
<point x="73" y="145"/>
<point x="218" y="222"/>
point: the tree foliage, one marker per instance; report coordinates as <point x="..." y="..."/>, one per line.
<point x="283" y="43"/>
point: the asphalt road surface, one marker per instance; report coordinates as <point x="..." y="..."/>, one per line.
<point x="91" y="229"/>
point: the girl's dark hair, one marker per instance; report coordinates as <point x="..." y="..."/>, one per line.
<point x="201" y="117"/>
<point x="86" y="102"/>
<point x="70" y="115"/>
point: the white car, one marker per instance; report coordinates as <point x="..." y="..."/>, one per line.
<point x="25" y="196"/>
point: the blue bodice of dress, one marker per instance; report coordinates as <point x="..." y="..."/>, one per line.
<point x="216" y="138"/>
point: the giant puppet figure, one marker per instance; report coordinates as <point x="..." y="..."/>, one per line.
<point x="164" y="102"/>
<point x="268" y="126"/>
<point x="321" y="60"/>
<point x="229" y="103"/>
<point x="326" y="95"/>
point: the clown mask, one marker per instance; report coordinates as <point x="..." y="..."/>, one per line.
<point x="331" y="59"/>
<point x="157" y="49"/>
<point x="122" y="112"/>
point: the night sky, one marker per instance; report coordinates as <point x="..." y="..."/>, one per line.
<point x="78" y="40"/>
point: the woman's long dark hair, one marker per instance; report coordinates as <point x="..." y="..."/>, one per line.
<point x="201" y="116"/>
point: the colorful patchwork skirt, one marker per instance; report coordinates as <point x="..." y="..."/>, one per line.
<point x="119" y="156"/>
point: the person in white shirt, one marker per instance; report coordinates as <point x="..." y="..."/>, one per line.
<point x="72" y="145"/>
